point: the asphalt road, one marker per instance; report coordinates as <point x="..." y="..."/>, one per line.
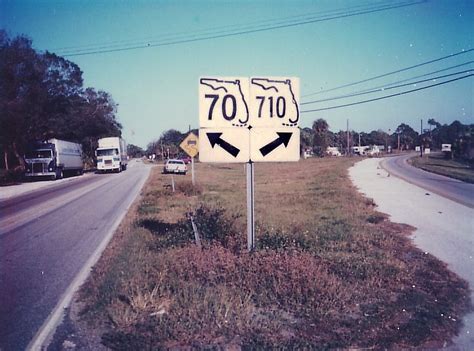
<point x="46" y="239"/>
<point x="450" y="188"/>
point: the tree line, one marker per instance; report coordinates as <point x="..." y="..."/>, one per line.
<point x="42" y="96"/>
<point x="319" y="137"/>
<point x="460" y="136"/>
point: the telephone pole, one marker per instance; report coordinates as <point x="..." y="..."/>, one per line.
<point x="421" y="139"/>
<point x="348" y="149"/>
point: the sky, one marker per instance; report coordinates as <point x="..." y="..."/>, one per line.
<point x="156" y="86"/>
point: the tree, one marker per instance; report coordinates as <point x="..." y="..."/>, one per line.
<point x="306" y="139"/>
<point x="167" y="145"/>
<point x="42" y="97"/>
<point x="322" y="137"/>
<point x="21" y="92"/>
<point x="408" y="136"/>
<point x="135" y="151"/>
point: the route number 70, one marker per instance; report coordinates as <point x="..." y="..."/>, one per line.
<point x="228" y="104"/>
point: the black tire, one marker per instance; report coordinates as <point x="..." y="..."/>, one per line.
<point x="59" y="174"/>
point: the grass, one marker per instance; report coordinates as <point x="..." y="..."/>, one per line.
<point x="439" y="164"/>
<point x="329" y="271"/>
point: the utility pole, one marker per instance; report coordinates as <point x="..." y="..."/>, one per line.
<point x="348" y="149"/>
<point x="359" y="139"/>
<point x="421" y="139"/>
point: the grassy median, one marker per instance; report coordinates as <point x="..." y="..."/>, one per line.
<point x="440" y="164"/>
<point x="329" y="270"/>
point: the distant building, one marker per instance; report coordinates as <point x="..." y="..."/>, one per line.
<point x="333" y="151"/>
<point x="308" y="152"/>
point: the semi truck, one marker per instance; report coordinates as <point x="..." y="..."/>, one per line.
<point x="111" y="155"/>
<point x="53" y="158"/>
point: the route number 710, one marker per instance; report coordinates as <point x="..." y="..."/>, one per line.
<point x="277" y="105"/>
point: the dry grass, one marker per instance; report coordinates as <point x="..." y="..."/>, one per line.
<point x="329" y="272"/>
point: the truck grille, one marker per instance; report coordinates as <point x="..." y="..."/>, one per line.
<point x="108" y="162"/>
<point x="38" y="167"/>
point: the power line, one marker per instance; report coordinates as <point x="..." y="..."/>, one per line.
<point x="225" y="28"/>
<point x="387" y="96"/>
<point x="236" y="33"/>
<point x="391" y="73"/>
<point x="386" y="86"/>
<point x="377" y="90"/>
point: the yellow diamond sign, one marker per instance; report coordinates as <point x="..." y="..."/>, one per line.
<point x="190" y="144"/>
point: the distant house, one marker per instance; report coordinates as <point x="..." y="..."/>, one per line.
<point x="367" y="150"/>
<point x="308" y="152"/>
<point x="333" y="151"/>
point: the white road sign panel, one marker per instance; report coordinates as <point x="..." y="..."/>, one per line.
<point x="274" y="101"/>
<point x="275" y="144"/>
<point x="223" y="102"/>
<point x="224" y="145"/>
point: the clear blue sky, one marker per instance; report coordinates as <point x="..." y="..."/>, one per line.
<point x="157" y="87"/>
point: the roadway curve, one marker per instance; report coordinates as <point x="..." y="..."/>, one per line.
<point x="48" y="241"/>
<point x="450" y="188"/>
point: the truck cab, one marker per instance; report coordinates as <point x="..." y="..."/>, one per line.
<point x="53" y="158"/>
<point x="41" y="161"/>
<point x="111" y="155"/>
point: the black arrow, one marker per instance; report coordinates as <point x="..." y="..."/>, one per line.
<point x="283" y="138"/>
<point x="215" y="138"/>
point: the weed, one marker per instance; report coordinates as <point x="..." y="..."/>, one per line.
<point x="329" y="271"/>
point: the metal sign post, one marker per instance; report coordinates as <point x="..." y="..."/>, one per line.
<point x="192" y="171"/>
<point x="250" y="207"/>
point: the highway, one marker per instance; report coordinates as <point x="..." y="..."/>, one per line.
<point x="47" y="240"/>
<point x="450" y="188"/>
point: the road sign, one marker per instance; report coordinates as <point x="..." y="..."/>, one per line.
<point x="249" y="120"/>
<point x="261" y="112"/>
<point x="275" y="144"/>
<point x="190" y="145"/>
<point x="223" y="102"/>
<point x="224" y="145"/>
<point x="274" y="102"/>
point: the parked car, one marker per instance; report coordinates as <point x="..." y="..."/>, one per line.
<point x="175" y="166"/>
<point x="187" y="160"/>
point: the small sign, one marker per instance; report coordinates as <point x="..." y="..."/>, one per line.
<point x="190" y="145"/>
<point x="446" y="147"/>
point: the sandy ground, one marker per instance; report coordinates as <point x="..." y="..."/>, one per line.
<point x="444" y="227"/>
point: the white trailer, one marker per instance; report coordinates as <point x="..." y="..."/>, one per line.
<point x="53" y="158"/>
<point x="111" y="154"/>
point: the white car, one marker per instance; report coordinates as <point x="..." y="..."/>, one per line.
<point x="175" y="166"/>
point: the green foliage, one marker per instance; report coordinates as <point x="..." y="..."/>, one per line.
<point x="167" y="146"/>
<point x="42" y="97"/>
<point x="135" y="151"/>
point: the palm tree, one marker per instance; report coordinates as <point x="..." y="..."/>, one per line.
<point x="320" y="126"/>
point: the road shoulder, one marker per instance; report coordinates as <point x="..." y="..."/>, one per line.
<point x="444" y="227"/>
